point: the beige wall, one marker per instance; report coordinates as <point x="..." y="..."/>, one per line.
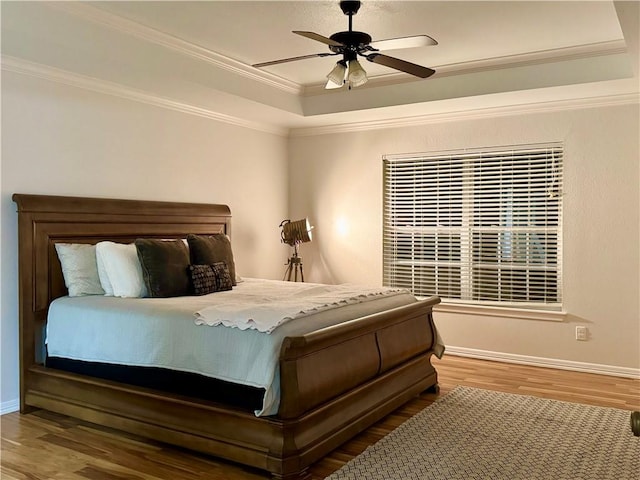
<point x="336" y="179"/>
<point x="65" y="141"/>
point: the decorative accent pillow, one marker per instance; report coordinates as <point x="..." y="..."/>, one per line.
<point x="122" y="269"/>
<point x="210" y="249"/>
<point x="164" y="266"/>
<point x="79" y="268"/>
<point x="224" y="280"/>
<point x="210" y="278"/>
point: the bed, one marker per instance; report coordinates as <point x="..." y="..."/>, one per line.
<point x="334" y="381"/>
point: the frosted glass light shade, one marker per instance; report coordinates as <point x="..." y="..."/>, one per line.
<point x="337" y="75"/>
<point x="357" y="76"/>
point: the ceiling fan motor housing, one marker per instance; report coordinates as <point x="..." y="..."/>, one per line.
<point x="352" y="40"/>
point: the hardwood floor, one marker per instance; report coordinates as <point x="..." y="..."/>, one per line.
<point x="44" y="445"/>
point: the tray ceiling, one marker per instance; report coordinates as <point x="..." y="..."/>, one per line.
<point x="490" y="54"/>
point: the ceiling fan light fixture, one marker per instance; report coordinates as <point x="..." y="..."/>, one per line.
<point x="351" y="43"/>
<point x="337" y="76"/>
<point x="357" y="75"/>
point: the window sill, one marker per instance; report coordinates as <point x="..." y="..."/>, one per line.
<point x="519" y="313"/>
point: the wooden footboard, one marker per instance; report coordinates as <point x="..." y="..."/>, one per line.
<point x="335" y="382"/>
<point x="338" y="381"/>
<point x="326" y="363"/>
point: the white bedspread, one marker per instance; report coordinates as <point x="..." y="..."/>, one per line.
<point x="161" y="332"/>
<point x="271" y="304"/>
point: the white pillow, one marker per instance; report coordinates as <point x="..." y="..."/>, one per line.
<point x="122" y="267"/>
<point x="79" y="268"/>
<point x="104" y="277"/>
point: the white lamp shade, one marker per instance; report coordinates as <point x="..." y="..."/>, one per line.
<point x="337" y="75"/>
<point x="357" y="75"/>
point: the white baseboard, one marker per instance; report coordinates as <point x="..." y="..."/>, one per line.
<point x="545" y="362"/>
<point x="10" y="406"/>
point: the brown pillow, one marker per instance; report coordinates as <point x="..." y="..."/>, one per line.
<point x="164" y="266"/>
<point x="210" y="249"/>
<point x="209" y="278"/>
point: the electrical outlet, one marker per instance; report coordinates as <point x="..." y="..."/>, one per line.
<point x="582" y="333"/>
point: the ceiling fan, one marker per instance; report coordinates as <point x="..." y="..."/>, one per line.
<point x="351" y="44"/>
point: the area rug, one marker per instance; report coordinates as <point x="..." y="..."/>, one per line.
<point x="473" y="434"/>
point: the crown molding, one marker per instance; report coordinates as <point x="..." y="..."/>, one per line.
<point x="23" y="67"/>
<point x="130" y="27"/>
<point x="471" y="114"/>
<point x="613" y="47"/>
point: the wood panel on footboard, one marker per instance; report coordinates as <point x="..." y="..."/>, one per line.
<point x="335" y="382"/>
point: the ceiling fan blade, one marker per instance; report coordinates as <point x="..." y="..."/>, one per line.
<point x="403" y="42"/>
<point x="402" y="65"/>
<point x="292" y="59"/>
<point x="319" y="38"/>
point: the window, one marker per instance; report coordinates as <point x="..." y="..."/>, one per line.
<point x="477" y="227"/>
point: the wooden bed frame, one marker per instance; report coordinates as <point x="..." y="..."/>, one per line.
<point x="335" y="382"/>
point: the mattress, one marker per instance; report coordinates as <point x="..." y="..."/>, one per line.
<point x="162" y="333"/>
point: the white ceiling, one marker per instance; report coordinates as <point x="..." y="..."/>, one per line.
<point x="199" y="54"/>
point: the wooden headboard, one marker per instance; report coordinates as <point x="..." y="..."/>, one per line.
<point x="46" y="220"/>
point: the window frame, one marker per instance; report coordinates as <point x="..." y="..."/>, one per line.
<point x="469" y="161"/>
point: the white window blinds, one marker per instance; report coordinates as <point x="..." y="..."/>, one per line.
<point x="481" y="227"/>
